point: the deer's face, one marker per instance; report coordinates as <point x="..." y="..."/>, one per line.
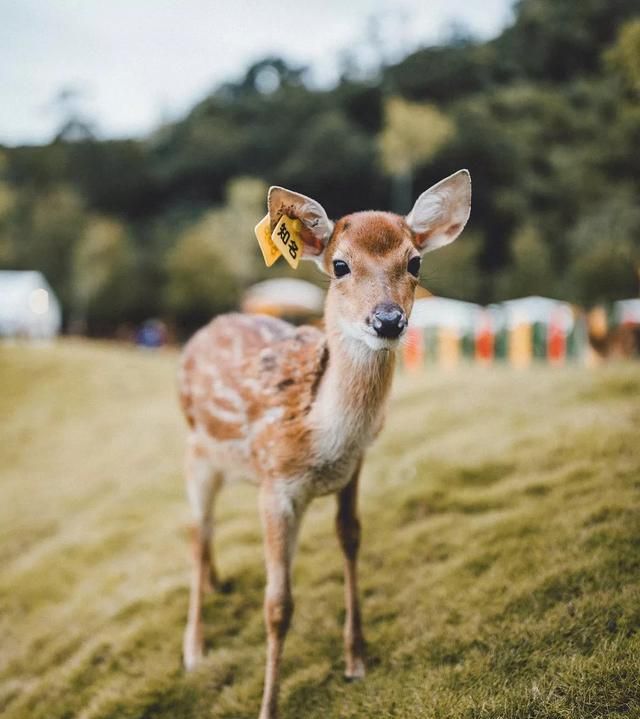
<point x="373" y="258"/>
<point x="374" y="264"/>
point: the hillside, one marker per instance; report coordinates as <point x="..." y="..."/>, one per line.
<point x="500" y="565"/>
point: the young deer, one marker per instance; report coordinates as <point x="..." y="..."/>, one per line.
<point x="294" y="409"/>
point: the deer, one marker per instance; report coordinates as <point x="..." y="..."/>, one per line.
<point x="293" y="409"/>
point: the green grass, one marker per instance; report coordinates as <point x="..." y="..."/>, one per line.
<point x="500" y="566"/>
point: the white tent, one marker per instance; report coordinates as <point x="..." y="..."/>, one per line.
<point x="287" y="296"/>
<point x="461" y="317"/>
<point x="28" y="306"/>
<point x="627" y="311"/>
<point x="529" y="310"/>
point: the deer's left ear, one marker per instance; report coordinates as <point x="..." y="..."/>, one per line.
<point x="316" y="226"/>
<point x="441" y="212"/>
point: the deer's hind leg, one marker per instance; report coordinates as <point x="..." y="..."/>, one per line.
<point x="203" y="483"/>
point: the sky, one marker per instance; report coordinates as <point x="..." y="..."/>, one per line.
<point x="134" y="64"/>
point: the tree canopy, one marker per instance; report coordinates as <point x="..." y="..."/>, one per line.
<point x="546" y="117"/>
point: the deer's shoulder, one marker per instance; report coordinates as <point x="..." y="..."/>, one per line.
<point x="290" y="368"/>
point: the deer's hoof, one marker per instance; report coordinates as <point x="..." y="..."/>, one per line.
<point x="191" y="660"/>
<point x="355" y="670"/>
<point x="192" y="650"/>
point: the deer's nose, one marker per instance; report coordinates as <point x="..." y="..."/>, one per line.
<point x="388" y="320"/>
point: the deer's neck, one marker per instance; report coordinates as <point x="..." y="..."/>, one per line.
<point x="352" y="393"/>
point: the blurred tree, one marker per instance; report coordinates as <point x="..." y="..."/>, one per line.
<point x="606" y="250"/>
<point x="267" y="76"/>
<point x="45" y="231"/>
<point x="453" y="271"/>
<point x="215" y="258"/>
<point x="624" y="56"/>
<point x="333" y="161"/>
<point x="245" y="206"/>
<point x="114" y="176"/>
<point x="412" y="135"/>
<point x="531" y="271"/>
<point x="445" y="73"/>
<point x="496" y="162"/>
<point x="545" y="116"/>
<point x="201" y="282"/>
<point x="74" y="123"/>
<point x="604" y="274"/>
<point x="8" y="202"/>
<point x="362" y="103"/>
<point x="103" y="281"/>
<point x="557" y="40"/>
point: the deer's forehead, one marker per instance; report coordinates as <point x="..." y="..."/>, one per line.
<point x="372" y="234"/>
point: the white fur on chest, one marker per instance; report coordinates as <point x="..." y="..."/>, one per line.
<point x="338" y="441"/>
<point x="340" y="428"/>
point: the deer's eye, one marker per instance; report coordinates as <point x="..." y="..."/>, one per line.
<point x="340" y="268"/>
<point x="414" y="266"/>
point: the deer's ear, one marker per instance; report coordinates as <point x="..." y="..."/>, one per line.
<point x="316" y="226"/>
<point x="441" y="212"/>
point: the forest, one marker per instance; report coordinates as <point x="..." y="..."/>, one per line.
<point x="546" y="117"/>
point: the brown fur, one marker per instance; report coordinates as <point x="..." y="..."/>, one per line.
<point x="377" y="233"/>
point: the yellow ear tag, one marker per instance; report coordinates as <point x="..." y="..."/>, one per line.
<point x="286" y="237"/>
<point x="269" y="250"/>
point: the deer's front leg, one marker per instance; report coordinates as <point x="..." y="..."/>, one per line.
<point x="348" y="528"/>
<point x="281" y="516"/>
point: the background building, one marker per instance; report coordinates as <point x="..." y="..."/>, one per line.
<point x="28" y="306"/>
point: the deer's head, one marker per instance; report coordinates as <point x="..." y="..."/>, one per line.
<point x="374" y="258"/>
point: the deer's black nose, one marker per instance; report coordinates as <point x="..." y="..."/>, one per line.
<point x="388" y="320"/>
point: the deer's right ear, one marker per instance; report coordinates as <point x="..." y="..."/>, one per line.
<point x="316" y="226"/>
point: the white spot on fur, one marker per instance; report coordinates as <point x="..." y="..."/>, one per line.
<point x="222" y="414"/>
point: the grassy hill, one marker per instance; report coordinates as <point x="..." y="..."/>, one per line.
<point x="500" y="564"/>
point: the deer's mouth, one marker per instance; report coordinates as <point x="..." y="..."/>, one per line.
<point x="373" y="340"/>
<point x="366" y="334"/>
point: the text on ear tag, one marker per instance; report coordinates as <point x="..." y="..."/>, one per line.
<point x="269" y="250"/>
<point x="286" y="237"/>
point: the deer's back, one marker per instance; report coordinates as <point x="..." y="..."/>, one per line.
<point x="248" y="382"/>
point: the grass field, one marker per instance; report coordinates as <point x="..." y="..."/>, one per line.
<point x="500" y="565"/>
